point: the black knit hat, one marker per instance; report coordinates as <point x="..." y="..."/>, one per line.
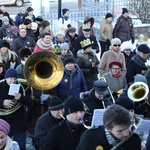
<point x="124" y="10"/>
<point x="144" y="49"/>
<point x="64" y="10"/>
<point x="56" y="103"/>
<point x="27" y="21"/>
<point x="68" y="59"/>
<point x="30" y="9"/>
<point x="125" y="102"/>
<point x="4" y="43"/>
<point x="39" y="18"/>
<point x="23" y="52"/>
<point x="45" y="23"/>
<point x="11" y="73"/>
<point x="73" y="104"/>
<point x="108" y="15"/>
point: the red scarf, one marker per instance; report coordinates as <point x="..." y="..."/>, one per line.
<point x="117" y="75"/>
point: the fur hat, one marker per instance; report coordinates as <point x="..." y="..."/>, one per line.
<point x="65" y="45"/>
<point x="73" y="104"/>
<point x="143" y="48"/>
<point x="115" y="63"/>
<point x="23" y="52"/>
<point x="71" y="29"/>
<point x="101" y="87"/>
<point x="34" y="26"/>
<point x="68" y="59"/>
<point x="27" y="21"/>
<point x="4" y="43"/>
<point x="115" y="41"/>
<point x="124" y="10"/>
<point x="61" y="33"/>
<point x="64" y="10"/>
<point x="108" y="15"/>
<point x="29" y="9"/>
<point x="125" y="102"/>
<point x="45" y="23"/>
<point x="4" y="126"/>
<point x="140" y="78"/>
<point x="14" y="29"/>
<point x="56" y="103"/>
<point x="39" y="18"/>
<point x="126" y="45"/>
<point x="5" y="18"/>
<point x="11" y="73"/>
<point x="89" y="19"/>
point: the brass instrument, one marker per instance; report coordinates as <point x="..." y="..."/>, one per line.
<point x="138" y="91"/>
<point x="113" y="100"/>
<point x="43" y="70"/>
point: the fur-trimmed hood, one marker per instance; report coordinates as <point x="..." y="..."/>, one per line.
<point x="83" y="54"/>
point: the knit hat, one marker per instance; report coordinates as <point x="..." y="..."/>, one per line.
<point x="71" y="29"/>
<point x="4" y="43"/>
<point x="65" y="45"/>
<point x="56" y="103"/>
<point x="125" y="102"/>
<point x="27" y="21"/>
<point x="14" y="29"/>
<point x="34" y="26"/>
<point x="23" y="52"/>
<point x="68" y="59"/>
<point x="115" y="63"/>
<point x="5" y="18"/>
<point x="140" y="78"/>
<point x="124" y="10"/>
<point x="144" y="49"/>
<point x="89" y="19"/>
<point x="11" y="73"/>
<point x="73" y="104"/>
<point x="115" y="41"/>
<point x="45" y="23"/>
<point x="29" y="9"/>
<point x="108" y="15"/>
<point x="4" y="126"/>
<point x="126" y="45"/>
<point x="101" y="87"/>
<point x="39" y="18"/>
<point x="60" y="33"/>
<point x="64" y="10"/>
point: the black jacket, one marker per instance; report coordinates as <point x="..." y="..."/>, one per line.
<point x="64" y="136"/>
<point x="95" y="137"/>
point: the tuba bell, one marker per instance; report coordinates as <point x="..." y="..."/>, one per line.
<point x="138" y="91"/>
<point x="43" y="70"/>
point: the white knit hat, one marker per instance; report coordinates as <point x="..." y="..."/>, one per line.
<point x="126" y="45"/>
<point x="115" y="41"/>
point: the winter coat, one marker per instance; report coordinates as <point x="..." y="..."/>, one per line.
<point x="19" y="19"/>
<point x="96" y="137"/>
<point x="106" y="30"/>
<point x="136" y="66"/>
<point x="110" y="56"/>
<point x="71" y="84"/>
<point x="81" y="38"/>
<point x="4" y="30"/>
<point x="16" y="119"/>
<point x="30" y="33"/>
<point x="124" y="29"/>
<point x="57" y="41"/>
<point x="115" y="84"/>
<point x="43" y="124"/>
<point x="64" y="136"/>
<point x="21" y="42"/>
<point x="84" y="61"/>
<point x="40" y="45"/>
<point x="19" y="70"/>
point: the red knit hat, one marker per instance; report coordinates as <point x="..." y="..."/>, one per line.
<point x="115" y="63"/>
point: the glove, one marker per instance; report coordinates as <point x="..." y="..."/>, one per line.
<point x="132" y="40"/>
<point x="107" y="41"/>
<point x="97" y="51"/>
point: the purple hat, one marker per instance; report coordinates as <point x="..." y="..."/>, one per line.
<point x="4" y="126"/>
<point x="14" y="29"/>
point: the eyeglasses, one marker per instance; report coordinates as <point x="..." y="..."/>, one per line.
<point x="115" y="68"/>
<point x="117" y="45"/>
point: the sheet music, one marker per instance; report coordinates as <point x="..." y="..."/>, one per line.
<point x="97" y="118"/>
<point x="14" y="88"/>
<point x="44" y="97"/>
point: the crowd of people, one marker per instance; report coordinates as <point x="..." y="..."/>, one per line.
<point x="94" y="77"/>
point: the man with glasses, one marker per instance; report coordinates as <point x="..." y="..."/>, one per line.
<point x="114" y="54"/>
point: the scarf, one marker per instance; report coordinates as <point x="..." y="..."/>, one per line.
<point x="111" y="139"/>
<point x="64" y="17"/>
<point x="5" y="57"/>
<point x="139" y="61"/>
<point x="116" y="75"/>
<point x="6" y="28"/>
<point x="43" y="45"/>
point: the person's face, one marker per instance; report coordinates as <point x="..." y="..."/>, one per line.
<point x="3" y="139"/>
<point x="26" y="57"/>
<point x="60" y="37"/>
<point x="143" y="55"/>
<point x="47" y="28"/>
<point x="47" y="39"/>
<point x="1" y="69"/>
<point x="125" y="15"/>
<point x="66" y="14"/>
<point x="4" y="50"/>
<point x="29" y="26"/>
<point x="120" y="131"/>
<point x="86" y="33"/>
<point x="115" y="69"/>
<point x="23" y="11"/>
<point x="1" y="15"/>
<point x="127" y="52"/>
<point x="116" y="47"/>
<point x="72" y="34"/>
<point x="30" y="13"/>
<point x="109" y="19"/>
<point x="69" y="66"/>
<point x="64" y="52"/>
<point x="99" y="96"/>
<point x="11" y="80"/>
<point x="88" y="50"/>
<point x="131" y="113"/>
<point x="57" y="113"/>
<point x="6" y="22"/>
<point x="22" y="32"/>
<point x="76" y="117"/>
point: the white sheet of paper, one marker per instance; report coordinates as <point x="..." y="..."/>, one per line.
<point x="97" y="118"/>
<point x="44" y="97"/>
<point x="12" y="66"/>
<point x="14" y="88"/>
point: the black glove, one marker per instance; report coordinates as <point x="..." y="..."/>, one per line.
<point x="107" y="41"/>
<point x="93" y="70"/>
<point x="97" y="51"/>
<point x="133" y="40"/>
<point x="69" y="25"/>
<point x="36" y="101"/>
